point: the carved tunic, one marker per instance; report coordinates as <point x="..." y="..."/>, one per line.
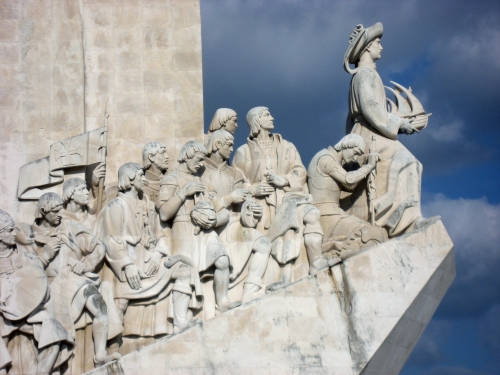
<point x="78" y="245"/>
<point x="326" y="179"/>
<point x="126" y="226"/>
<point x="368" y="116"/>
<point x="224" y="179"/>
<point x="26" y="305"/>
<point x="205" y="248"/>
<point x="282" y="159"/>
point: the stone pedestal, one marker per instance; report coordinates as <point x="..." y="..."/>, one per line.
<point x="361" y="317"/>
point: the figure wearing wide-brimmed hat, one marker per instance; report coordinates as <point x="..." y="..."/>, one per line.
<point x="398" y="181"/>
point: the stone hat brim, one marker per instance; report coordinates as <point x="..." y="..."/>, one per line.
<point x="364" y="38"/>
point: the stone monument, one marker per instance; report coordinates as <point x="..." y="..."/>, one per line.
<point x="138" y="247"/>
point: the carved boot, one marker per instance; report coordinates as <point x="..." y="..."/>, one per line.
<point x="102" y="358"/>
<point x="251" y="289"/>
<point x="226" y="305"/>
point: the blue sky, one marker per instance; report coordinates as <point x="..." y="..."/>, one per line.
<point x="287" y="55"/>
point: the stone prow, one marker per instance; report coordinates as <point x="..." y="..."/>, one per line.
<point x="361" y="317"/>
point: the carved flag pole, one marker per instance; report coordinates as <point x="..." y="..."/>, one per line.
<point x="100" y="188"/>
<point x="371" y="187"/>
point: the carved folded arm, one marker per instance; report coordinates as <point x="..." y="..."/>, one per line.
<point x="372" y="106"/>
<point x="170" y="199"/>
<point x="349" y="180"/>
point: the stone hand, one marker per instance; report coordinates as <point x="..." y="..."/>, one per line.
<point x="262" y="190"/>
<point x="373" y="159"/>
<point x="206" y="222"/>
<point x="239" y="195"/>
<point x="132" y="275"/>
<point x="407" y="128"/>
<point x="51" y="248"/>
<point x="79" y="268"/>
<point x="257" y="210"/>
<point x="98" y="173"/>
<point x="276" y="180"/>
<point x="192" y="188"/>
<point x="154" y="261"/>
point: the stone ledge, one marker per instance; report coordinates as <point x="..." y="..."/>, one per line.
<point x="361" y="317"/>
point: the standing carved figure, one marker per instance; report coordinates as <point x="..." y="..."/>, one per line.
<point x="73" y="285"/>
<point x="277" y="179"/>
<point x="155" y="165"/>
<point x="248" y="248"/>
<point x="327" y="179"/>
<point x="193" y="233"/>
<point x="150" y="291"/>
<point x="397" y="206"/>
<point x="79" y="205"/>
<point x="270" y="164"/>
<point x="25" y="307"/>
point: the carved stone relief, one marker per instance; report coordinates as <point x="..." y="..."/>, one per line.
<point x="132" y="265"/>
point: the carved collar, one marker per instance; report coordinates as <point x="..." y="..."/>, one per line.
<point x="152" y="176"/>
<point x="366" y="64"/>
<point x="209" y="163"/>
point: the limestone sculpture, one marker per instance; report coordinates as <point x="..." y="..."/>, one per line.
<point x="79" y="204"/>
<point x="181" y="191"/>
<point x="397" y="206"/>
<point x="327" y="179"/>
<point x="25" y="306"/>
<point x="73" y="285"/>
<point x="151" y="291"/>
<point x="277" y="179"/>
<point x="248" y="248"/>
<point x="226" y="119"/>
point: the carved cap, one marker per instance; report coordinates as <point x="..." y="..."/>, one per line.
<point x="5" y="220"/>
<point x="358" y="40"/>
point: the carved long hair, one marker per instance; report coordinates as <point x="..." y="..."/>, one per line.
<point x="253" y="120"/>
<point x="126" y="174"/>
<point x="222" y="115"/>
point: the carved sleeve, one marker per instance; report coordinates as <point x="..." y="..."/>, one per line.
<point x="297" y="174"/>
<point x="332" y="168"/>
<point x="170" y="199"/>
<point x="93" y="250"/>
<point x="372" y="105"/>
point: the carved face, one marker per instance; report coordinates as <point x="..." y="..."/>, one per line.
<point x="196" y="162"/>
<point x="350" y="155"/>
<point x="375" y="49"/>
<point x="160" y="160"/>
<point x="54" y="216"/>
<point x="231" y="125"/>
<point x="139" y="180"/>
<point x="7" y="236"/>
<point x="226" y="150"/>
<point x="266" y="120"/>
<point x="81" y="195"/>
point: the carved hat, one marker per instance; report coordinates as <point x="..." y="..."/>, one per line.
<point x="5" y="220"/>
<point x="358" y="40"/>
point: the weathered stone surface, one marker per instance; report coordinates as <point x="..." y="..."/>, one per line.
<point x="362" y="317"/>
<point x="62" y="60"/>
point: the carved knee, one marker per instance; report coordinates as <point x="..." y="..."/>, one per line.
<point x="312" y="216"/>
<point x="222" y="263"/>
<point x="95" y="298"/>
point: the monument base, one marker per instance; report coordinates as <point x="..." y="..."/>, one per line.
<point x="363" y="316"/>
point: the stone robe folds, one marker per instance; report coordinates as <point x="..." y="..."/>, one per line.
<point x="25" y="296"/>
<point x="126" y="227"/>
<point x="66" y="286"/>
<point x="282" y="159"/>
<point x="368" y="116"/>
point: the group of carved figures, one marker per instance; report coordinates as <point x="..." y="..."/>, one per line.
<point x="204" y="238"/>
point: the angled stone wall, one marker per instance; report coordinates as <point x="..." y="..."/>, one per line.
<point x="62" y="60"/>
<point x="362" y="317"/>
